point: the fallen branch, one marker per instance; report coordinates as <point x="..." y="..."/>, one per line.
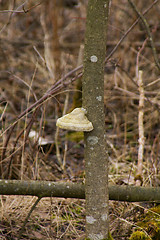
<point x="76" y="190"/>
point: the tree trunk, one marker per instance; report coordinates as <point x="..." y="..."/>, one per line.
<point x="96" y="164"/>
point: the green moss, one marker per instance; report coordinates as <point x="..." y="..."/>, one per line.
<point x="110" y="237"/>
<point x="75" y="136"/>
<point x="151" y="223"/>
<point x="154" y="210"/>
<point x="139" y="235"/>
<point x="152" y="227"/>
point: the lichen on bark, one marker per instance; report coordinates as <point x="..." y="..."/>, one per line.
<point x="96" y="165"/>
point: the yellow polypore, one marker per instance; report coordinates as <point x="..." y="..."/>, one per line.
<point x="76" y="121"/>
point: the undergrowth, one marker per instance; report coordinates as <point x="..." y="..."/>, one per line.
<point x="29" y="67"/>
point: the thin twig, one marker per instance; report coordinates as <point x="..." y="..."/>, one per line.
<point x="138" y="56"/>
<point x="128" y="31"/>
<point x="35" y="105"/>
<point x="140" y="15"/>
<point x="61" y="83"/>
<point x="27" y="129"/>
<point x="28" y="216"/>
<point x="20" y="11"/>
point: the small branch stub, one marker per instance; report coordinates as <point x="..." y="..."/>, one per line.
<point x="75" y="121"/>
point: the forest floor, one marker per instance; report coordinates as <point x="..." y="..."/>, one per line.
<point x="32" y="59"/>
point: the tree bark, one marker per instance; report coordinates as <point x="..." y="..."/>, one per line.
<point x="42" y="189"/>
<point x="96" y="165"/>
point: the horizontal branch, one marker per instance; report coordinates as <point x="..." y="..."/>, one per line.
<point x="76" y="190"/>
<point x="42" y="188"/>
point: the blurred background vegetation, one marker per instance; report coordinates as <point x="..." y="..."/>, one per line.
<point x="40" y="42"/>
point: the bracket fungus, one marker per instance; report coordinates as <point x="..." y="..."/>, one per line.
<point x="75" y="120"/>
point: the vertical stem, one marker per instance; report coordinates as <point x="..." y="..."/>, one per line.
<point x="96" y="164"/>
<point x="140" y="124"/>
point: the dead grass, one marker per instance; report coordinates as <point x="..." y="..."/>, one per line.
<point x="52" y="218"/>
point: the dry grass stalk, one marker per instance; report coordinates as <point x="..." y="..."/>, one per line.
<point x="140" y="124"/>
<point x="47" y="52"/>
